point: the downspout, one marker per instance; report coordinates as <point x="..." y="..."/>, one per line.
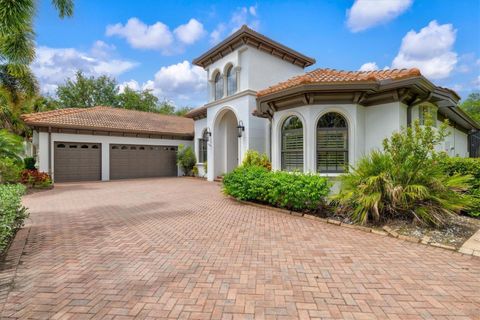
<point x="50" y="151"/>
<point x="409" y="115"/>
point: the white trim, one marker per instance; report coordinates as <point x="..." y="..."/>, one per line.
<point x="279" y="126"/>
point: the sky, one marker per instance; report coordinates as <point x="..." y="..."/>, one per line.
<point x="149" y="44"/>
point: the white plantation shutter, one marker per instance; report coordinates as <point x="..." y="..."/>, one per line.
<point x="292" y="145"/>
<point x="332" y="143"/>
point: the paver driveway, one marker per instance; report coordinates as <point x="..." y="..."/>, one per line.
<point x="177" y="248"/>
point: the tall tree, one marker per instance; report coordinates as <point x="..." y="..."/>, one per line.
<point x="84" y="92"/>
<point x="472" y="105"/>
<point x="138" y="100"/>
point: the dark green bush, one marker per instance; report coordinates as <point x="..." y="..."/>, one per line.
<point x="293" y="191"/>
<point x="466" y="166"/>
<point x="12" y="213"/>
<point x="29" y="163"/>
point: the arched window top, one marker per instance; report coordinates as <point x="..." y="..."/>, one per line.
<point x="231" y="80"/>
<point x="84" y="146"/>
<point x="332" y="120"/>
<point x="61" y="145"/>
<point x="292" y="144"/>
<point x="94" y="146"/>
<point x="292" y="122"/>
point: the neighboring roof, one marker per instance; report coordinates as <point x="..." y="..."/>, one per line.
<point x="197" y="113"/>
<point x="112" y="119"/>
<point x="332" y="76"/>
<point x="247" y="36"/>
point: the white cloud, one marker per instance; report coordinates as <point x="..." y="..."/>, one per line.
<point x="132" y="84"/>
<point x="476" y="83"/>
<point x="142" y="36"/>
<point x="430" y="50"/>
<point x="53" y="66"/>
<point x="241" y="16"/>
<point x="365" y="14"/>
<point x="190" y="32"/>
<point x="368" y="66"/>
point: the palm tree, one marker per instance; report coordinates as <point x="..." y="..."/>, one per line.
<point x="17" y="52"/>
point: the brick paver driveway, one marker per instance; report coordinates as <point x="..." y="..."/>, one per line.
<point x="176" y="248"/>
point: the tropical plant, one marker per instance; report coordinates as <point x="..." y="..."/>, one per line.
<point x="293" y="191"/>
<point x="10" y="171"/>
<point x="404" y="181"/>
<point x="29" y="163"/>
<point x="12" y="213"/>
<point x="11" y="146"/>
<point x="254" y="158"/>
<point x="186" y="159"/>
<point x="35" y="179"/>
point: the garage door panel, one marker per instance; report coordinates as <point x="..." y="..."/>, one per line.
<point x="138" y="161"/>
<point x="77" y="161"/>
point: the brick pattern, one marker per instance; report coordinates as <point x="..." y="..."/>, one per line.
<point x="177" y="248"/>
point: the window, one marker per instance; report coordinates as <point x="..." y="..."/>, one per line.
<point x="332" y="143"/>
<point x="292" y="144"/>
<point x="425" y="110"/>
<point x="61" y="145"/>
<point x="202" y="147"/>
<point x="231" y="81"/>
<point x="218" y="86"/>
<point x="84" y="146"/>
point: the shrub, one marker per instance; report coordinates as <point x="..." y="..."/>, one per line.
<point x="404" y="181"/>
<point x="186" y="159"/>
<point x="12" y="213"/>
<point x="254" y="158"/>
<point x="11" y="146"/>
<point x="466" y="166"/>
<point x="29" y="163"/>
<point x="35" y="179"/>
<point x="293" y="191"/>
<point x="9" y="171"/>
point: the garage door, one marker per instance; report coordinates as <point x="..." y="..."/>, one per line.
<point x="141" y="161"/>
<point x="77" y="161"/>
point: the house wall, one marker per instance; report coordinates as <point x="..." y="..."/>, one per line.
<point x="43" y="147"/>
<point x="200" y="126"/>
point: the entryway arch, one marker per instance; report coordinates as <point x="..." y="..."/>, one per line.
<point x="225" y="140"/>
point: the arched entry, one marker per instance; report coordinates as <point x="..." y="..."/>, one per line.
<point x="225" y="143"/>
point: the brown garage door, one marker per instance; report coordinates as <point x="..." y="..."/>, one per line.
<point x="77" y="161"/>
<point x="141" y="161"/>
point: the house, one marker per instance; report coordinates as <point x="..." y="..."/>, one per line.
<point x="259" y="97"/>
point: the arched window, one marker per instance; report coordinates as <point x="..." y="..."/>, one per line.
<point x="202" y="147"/>
<point x="231" y="81"/>
<point x="218" y="86"/>
<point x="292" y="144"/>
<point x="332" y="143"/>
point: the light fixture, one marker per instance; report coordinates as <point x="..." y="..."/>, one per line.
<point x="208" y="134"/>
<point x="240" y="128"/>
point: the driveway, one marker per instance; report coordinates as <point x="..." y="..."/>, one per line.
<point x="177" y="248"/>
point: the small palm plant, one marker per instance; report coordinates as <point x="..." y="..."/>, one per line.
<point x="404" y="181"/>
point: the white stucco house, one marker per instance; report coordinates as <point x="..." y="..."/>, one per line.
<point x="260" y="97"/>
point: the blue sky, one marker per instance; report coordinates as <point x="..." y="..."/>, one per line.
<point x="150" y="44"/>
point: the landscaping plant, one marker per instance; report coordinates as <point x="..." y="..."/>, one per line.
<point x="293" y="191"/>
<point x="12" y="213"/>
<point x="35" y="179"/>
<point x="186" y="159"/>
<point x="404" y="181"/>
<point x="11" y="146"/>
<point x="254" y="158"/>
<point x="10" y="171"/>
<point x="29" y="163"/>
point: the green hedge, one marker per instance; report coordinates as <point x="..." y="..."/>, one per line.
<point x="293" y="191"/>
<point x="12" y="213"/>
<point x="466" y="166"/>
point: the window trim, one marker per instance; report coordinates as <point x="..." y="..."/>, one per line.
<point x="203" y="142"/>
<point x="281" y="150"/>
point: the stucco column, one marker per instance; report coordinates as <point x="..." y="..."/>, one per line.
<point x="237" y="75"/>
<point x="105" y="161"/>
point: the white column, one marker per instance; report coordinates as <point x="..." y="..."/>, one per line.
<point x="105" y="161"/>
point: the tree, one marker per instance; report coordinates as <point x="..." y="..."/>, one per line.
<point x="11" y="146"/>
<point x="472" y="105"/>
<point x="85" y="92"/>
<point x="138" y="100"/>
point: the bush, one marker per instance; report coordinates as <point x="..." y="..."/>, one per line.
<point x="466" y="166"/>
<point x="11" y="146"/>
<point x="9" y="171"/>
<point x="253" y="158"/>
<point x="35" y="179"/>
<point x="404" y="181"/>
<point x="186" y="159"/>
<point x="12" y="213"/>
<point x="29" y="163"/>
<point x="293" y="191"/>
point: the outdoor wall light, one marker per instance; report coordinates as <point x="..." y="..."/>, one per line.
<point x="208" y="134"/>
<point x="240" y="128"/>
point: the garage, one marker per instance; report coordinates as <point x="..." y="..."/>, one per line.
<point x="77" y="161"/>
<point x="142" y="161"/>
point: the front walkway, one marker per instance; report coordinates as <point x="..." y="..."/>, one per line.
<point x="176" y="248"/>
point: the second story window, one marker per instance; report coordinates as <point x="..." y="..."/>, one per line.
<point x="218" y="86"/>
<point x="231" y="81"/>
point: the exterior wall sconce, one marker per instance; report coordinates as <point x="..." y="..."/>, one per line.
<point x="240" y="128"/>
<point x="208" y="134"/>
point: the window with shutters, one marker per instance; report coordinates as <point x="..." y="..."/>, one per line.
<point x="332" y="143"/>
<point x="202" y="147"/>
<point x="218" y="86"/>
<point x="231" y="81"/>
<point x="292" y="144"/>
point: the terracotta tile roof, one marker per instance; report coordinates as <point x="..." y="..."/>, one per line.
<point x="332" y="76"/>
<point x="112" y="119"/>
<point x="199" y="112"/>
